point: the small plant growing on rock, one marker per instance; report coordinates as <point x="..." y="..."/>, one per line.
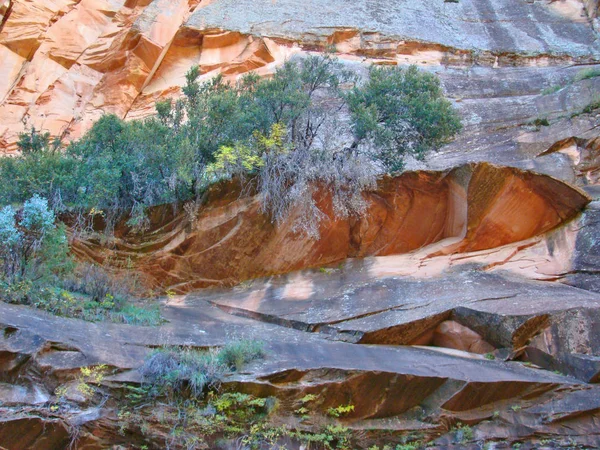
<point x="304" y="410"/>
<point x="93" y="375"/>
<point x="308" y="398"/>
<point x="489" y="356"/>
<point x="551" y="89"/>
<point x="410" y="446"/>
<point x="171" y="371"/>
<point x="177" y="371"/>
<point x="340" y="411"/>
<point x="463" y="433"/>
<point x="588" y="73"/>
<point x="239" y="353"/>
<point x="592" y="106"/>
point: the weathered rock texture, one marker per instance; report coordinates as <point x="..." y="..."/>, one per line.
<point x="304" y="319"/>
<point x="473" y="208"/>
<point x="458" y="273"/>
<point x="65" y="62"/>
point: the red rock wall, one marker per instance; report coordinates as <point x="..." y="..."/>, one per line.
<point x="473" y="208"/>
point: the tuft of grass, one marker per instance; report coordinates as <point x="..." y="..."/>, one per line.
<point x="489" y="356"/>
<point x="237" y="354"/>
<point x="551" y="89"/>
<point x="174" y="371"/>
<point x="538" y="123"/>
<point x="592" y="106"/>
<point x="464" y="433"/>
<point x="589" y="108"/>
<point x="413" y="445"/>
<point x="584" y="74"/>
<point x="136" y="315"/>
<point x="588" y="73"/>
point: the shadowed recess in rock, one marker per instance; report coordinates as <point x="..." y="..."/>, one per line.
<point x="471" y="208"/>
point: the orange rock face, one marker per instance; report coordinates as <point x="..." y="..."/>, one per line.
<point x="66" y="62"/>
<point x="471" y="208"/>
<point x="451" y="334"/>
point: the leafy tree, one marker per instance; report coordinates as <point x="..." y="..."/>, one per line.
<point x="32" y="248"/>
<point x="40" y="169"/>
<point x="403" y="111"/>
<point x="288" y="134"/>
<point x="35" y="142"/>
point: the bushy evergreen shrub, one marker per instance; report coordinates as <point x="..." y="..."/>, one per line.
<point x="37" y="269"/>
<point x="303" y="127"/>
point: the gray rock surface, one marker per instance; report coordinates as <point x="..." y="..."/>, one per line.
<point x="496" y="26"/>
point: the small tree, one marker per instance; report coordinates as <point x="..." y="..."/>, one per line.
<point x="33" y="248"/>
<point x="11" y="240"/>
<point x="402" y="111"/>
<point x="293" y="132"/>
<point x="34" y="141"/>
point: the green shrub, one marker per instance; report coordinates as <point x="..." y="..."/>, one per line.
<point x="592" y="106"/>
<point x="404" y="112"/>
<point x="237" y="354"/>
<point x="538" y="122"/>
<point x="136" y="315"/>
<point x="38" y="270"/>
<point x="176" y="371"/>
<point x="289" y="130"/>
<point x="171" y="371"/>
<point x="340" y="411"/>
<point x="96" y="283"/>
<point x="463" y="433"/>
<point x="586" y="74"/>
<point x="34" y="250"/>
<point x="551" y="89"/>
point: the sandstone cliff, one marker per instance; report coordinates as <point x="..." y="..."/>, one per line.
<point x="64" y="63"/>
<point x="469" y="292"/>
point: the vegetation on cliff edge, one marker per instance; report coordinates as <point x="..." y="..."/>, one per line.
<point x="313" y="124"/>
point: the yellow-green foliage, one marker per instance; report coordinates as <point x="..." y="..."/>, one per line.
<point x="240" y="158"/>
<point x="274" y="142"/>
<point x="340" y="411"/>
<point x="92" y="374"/>
<point x="236" y="158"/>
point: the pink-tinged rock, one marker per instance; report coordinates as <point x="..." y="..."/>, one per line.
<point x="451" y="334"/>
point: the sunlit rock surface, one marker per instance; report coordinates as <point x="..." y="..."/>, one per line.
<point x="66" y="62"/>
<point x="315" y="325"/>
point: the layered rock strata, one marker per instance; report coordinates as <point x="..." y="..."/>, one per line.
<point x="64" y="63"/>
<point x="306" y="320"/>
<point x="473" y="208"/>
<point x="471" y="292"/>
